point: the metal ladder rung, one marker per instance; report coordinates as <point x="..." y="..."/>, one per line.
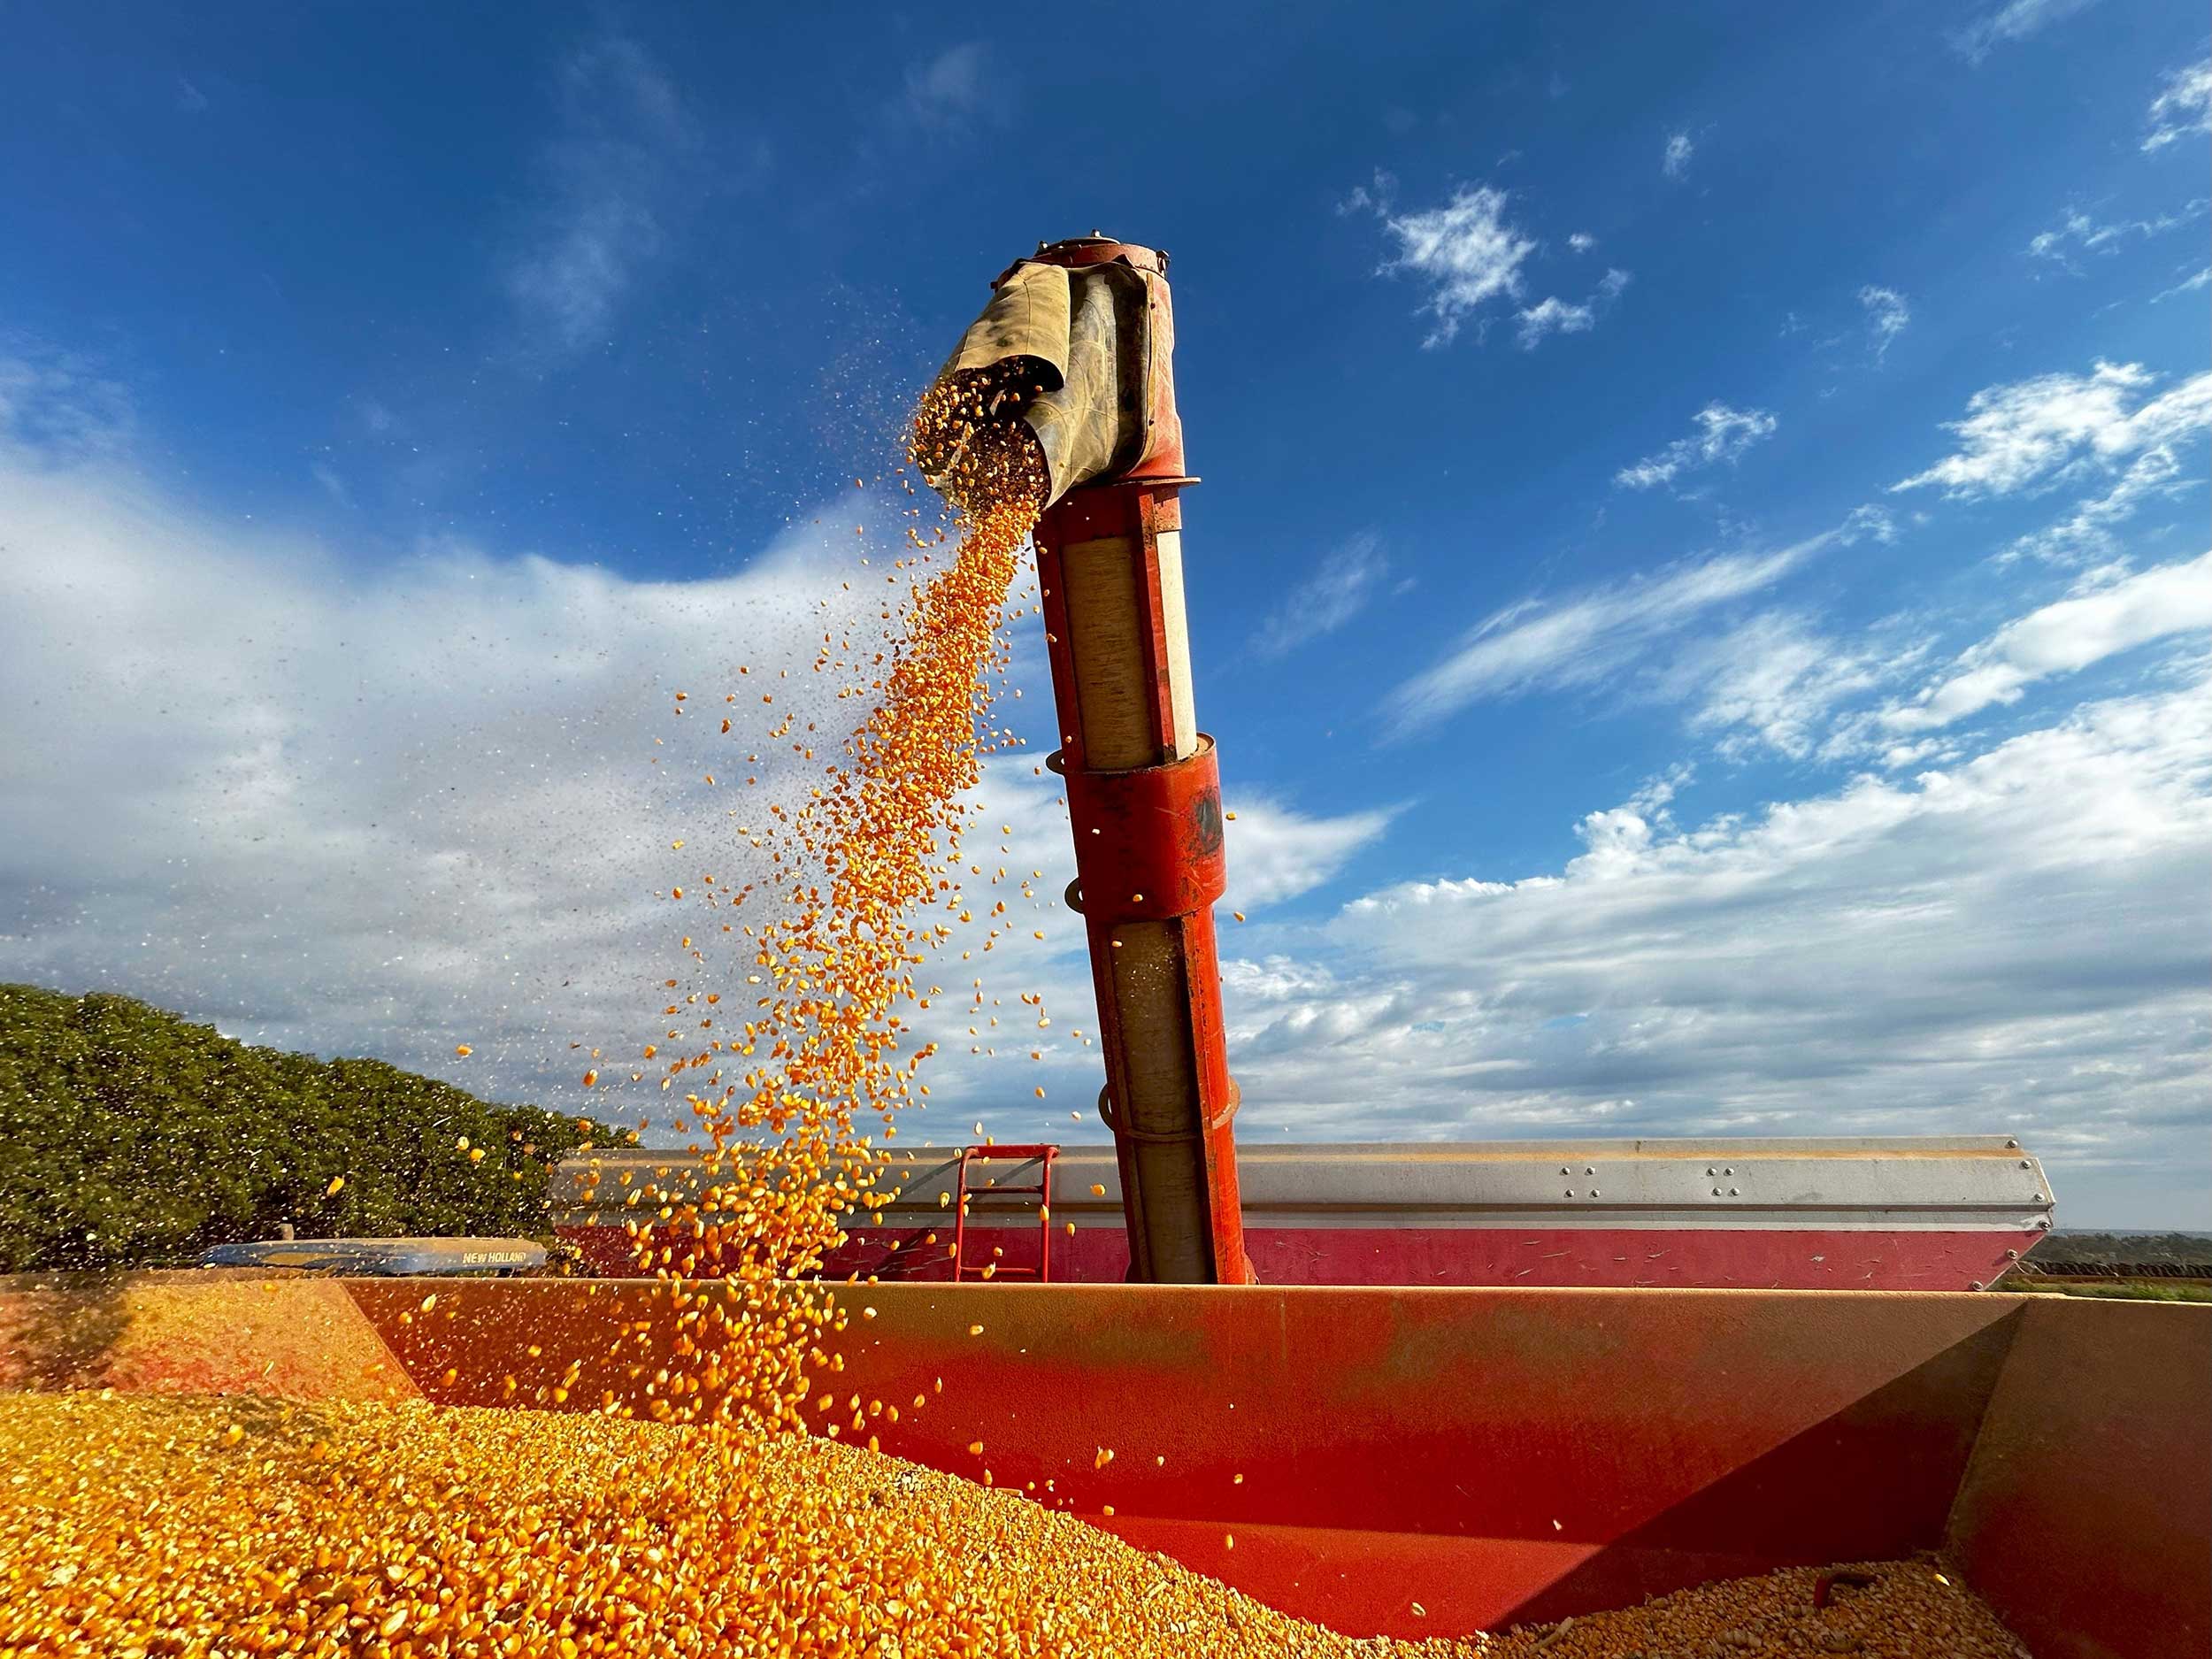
<point x="1041" y="1191"/>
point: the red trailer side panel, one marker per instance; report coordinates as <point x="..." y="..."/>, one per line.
<point x="2096" y="1433"/>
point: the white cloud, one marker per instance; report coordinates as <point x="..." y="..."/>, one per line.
<point x="2183" y="106"/>
<point x="2014" y="21"/>
<point x="1471" y="257"/>
<point x="362" y="807"/>
<point x="950" y="87"/>
<point x="1277" y="854"/>
<point x="1675" y="160"/>
<point x="1886" y="316"/>
<point x="2062" y="639"/>
<point x="1871" y="521"/>
<point x="2056" y="427"/>
<point x="1554" y="315"/>
<point x="60" y="408"/>
<point x="1772" y="682"/>
<point x="2086" y="533"/>
<point x="2077" y="233"/>
<point x="1992" y="947"/>
<point x="1549" y="646"/>
<point x="624" y="127"/>
<point x="381" y="814"/>
<point x="1465" y="251"/>
<point x="2188" y="285"/>
<point x="1723" y="434"/>
<point x="1338" y="590"/>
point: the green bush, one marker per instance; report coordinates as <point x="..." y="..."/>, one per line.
<point x="131" y="1137"/>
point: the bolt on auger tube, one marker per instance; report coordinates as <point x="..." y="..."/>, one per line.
<point x="1074" y="356"/>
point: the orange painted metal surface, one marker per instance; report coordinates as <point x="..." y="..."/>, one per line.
<point x="1148" y="838"/>
<point x="1148" y="847"/>
<point x="1160" y="853"/>
<point x="2082" y="1518"/>
<point x="1498" y="1454"/>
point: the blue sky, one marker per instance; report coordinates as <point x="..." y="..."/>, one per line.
<point x="1700" y="580"/>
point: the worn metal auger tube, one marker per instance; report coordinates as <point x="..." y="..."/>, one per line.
<point x="1075" y="353"/>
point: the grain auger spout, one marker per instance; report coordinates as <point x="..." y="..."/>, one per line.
<point x="1072" y="363"/>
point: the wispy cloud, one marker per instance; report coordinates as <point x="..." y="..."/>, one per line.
<point x="2031" y="432"/>
<point x="1723" y="434"/>
<point x="1772" y="683"/>
<point x="2086" y="533"/>
<point x="623" y="126"/>
<point x="2187" y="285"/>
<point x="1674" y="161"/>
<point x="2077" y="233"/>
<point x="1887" y="316"/>
<point x="1555" y="645"/>
<point x="1871" y="522"/>
<point x="57" y="408"/>
<point x="2013" y="22"/>
<point x="1338" y="590"/>
<point x="2064" y="638"/>
<point x="1554" y="315"/>
<point x="950" y="87"/>
<point x="332" y="482"/>
<point x="1276" y="853"/>
<point x="1582" y="241"/>
<point x="2183" y="106"/>
<point x="1464" y="251"/>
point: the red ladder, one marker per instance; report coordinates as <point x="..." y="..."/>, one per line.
<point x="1042" y="1155"/>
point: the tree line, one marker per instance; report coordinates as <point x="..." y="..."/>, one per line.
<point x="132" y="1137"/>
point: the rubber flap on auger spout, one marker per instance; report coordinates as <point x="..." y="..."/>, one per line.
<point x="1067" y="353"/>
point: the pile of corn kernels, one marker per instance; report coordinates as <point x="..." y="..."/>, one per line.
<point x="140" y="1525"/>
